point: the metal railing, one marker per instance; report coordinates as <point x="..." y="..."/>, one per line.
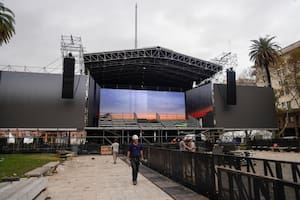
<point x="53" y="143"/>
<point x="199" y="171"/>
<point x="37" y="145"/>
<point x="286" y="144"/>
<point x="135" y="116"/>
<point x="236" y="185"/>
<point x="285" y="170"/>
<point x="190" y="169"/>
<point x="50" y="144"/>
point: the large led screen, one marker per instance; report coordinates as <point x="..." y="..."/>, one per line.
<point x="122" y="103"/>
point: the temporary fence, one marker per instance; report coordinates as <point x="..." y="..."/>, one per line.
<point x="204" y="173"/>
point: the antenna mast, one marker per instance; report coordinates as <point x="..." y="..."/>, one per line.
<point x="135" y="38"/>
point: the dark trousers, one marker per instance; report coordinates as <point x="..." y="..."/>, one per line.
<point x="135" y="163"/>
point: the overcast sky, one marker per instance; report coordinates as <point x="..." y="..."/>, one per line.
<point x="200" y="28"/>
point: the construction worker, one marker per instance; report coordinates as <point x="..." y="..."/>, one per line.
<point x="135" y="154"/>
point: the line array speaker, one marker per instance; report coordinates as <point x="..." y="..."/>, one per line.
<point x="231" y="87"/>
<point x="68" y="78"/>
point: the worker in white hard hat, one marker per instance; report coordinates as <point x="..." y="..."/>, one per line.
<point x="135" y="154"/>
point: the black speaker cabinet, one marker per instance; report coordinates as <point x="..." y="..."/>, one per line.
<point x="231" y="88"/>
<point x="68" y="78"/>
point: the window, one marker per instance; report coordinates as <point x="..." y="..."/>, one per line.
<point x="281" y="93"/>
<point x="287" y="92"/>
<point x="288" y="103"/>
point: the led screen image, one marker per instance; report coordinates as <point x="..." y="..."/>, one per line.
<point x="122" y="103"/>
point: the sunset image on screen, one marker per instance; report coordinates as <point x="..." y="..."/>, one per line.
<point x="122" y="103"/>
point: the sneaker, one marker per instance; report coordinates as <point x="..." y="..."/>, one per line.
<point x="134" y="182"/>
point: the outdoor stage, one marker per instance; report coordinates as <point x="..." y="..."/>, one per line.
<point x="146" y="91"/>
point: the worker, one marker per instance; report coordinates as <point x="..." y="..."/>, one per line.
<point x="135" y="155"/>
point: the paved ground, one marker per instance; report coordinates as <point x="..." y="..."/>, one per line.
<point x="287" y="173"/>
<point x="286" y="156"/>
<point x="175" y="190"/>
<point x="84" y="178"/>
<point x="87" y="178"/>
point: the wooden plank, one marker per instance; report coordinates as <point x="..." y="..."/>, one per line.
<point x="106" y="150"/>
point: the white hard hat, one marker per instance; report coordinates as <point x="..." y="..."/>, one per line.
<point x="135" y="137"/>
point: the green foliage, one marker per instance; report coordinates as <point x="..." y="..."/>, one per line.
<point x="7" y="21"/>
<point x="264" y="53"/>
<point x="19" y="164"/>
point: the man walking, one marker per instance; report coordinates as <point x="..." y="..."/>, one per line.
<point x="115" y="150"/>
<point x="135" y="154"/>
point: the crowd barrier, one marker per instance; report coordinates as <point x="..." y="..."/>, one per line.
<point x="236" y="185"/>
<point x="204" y="173"/>
<point x="273" y="144"/>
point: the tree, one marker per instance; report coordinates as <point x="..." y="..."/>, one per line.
<point x="248" y="73"/>
<point x="264" y="53"/>
<point x="7" y="21"/>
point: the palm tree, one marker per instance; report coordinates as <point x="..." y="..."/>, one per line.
<point x="7" y="21"/>
<point x="265" y="53"/>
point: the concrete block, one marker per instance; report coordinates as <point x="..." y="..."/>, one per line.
<point x="13" y="187"/>
<point x="43" y="195"/>
<point x="31" y="190"/>
<point x="40" y="171"/>
<point x="25" y="189"/>
<point x="52" y="164"/>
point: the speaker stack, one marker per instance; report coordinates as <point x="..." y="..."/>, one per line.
<point x="68" y="77"/>
<point x="231" y="87"/>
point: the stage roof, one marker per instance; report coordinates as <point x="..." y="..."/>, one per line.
<point x="148" y="68"/>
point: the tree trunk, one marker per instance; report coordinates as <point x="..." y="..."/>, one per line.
<point x="286" y="122"/>
<point x="268" y="76"/>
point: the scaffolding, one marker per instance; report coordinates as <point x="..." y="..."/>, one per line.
<point x="69" y="44"/>
<point x="227" y="60"/>
<point x="73" y="44"/>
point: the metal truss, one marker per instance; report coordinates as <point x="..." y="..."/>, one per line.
<point x="150" y="67"/>
<point x="73" y="44"/>
<point x="156" y="53"/>
<point x="227" y="60"/>
<point x="115" y="65"/>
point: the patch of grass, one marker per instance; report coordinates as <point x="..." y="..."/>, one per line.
<point x="19" y="164"/>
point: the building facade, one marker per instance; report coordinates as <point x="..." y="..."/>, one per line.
<point x="286" y="94"/>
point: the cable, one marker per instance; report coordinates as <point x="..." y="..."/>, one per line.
<point x="76" y="88"/>
<point x="33" y="67"/>
<point x="52" y="62"/>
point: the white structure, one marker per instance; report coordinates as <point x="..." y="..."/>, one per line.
<point x="73" y="44"/>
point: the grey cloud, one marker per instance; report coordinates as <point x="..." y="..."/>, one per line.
<point x="199" y="28"/>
